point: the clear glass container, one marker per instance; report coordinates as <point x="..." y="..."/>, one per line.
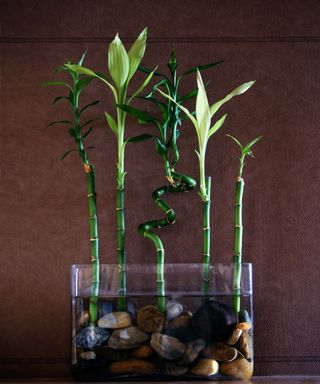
<point x="193" y="330"/>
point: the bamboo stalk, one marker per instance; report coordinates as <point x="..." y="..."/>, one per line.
<point x="206" y="230"/>
<point x="121" y="249"/>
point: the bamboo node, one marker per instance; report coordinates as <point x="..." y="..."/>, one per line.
<point x="120" y="209"/>
<point x="169" y="210"/>
<point x="238" y="226"/>
<point x="119" y="228"/>
<point x="159" y="250"/>
<point x="206" y="228"/>
<point x="206" y="254"/>
<point x="239" y="178"/>
<point x="120" y="249"/>
<point x="93" y="258"/>
<point x="93" y="217"/>
<point x="94" y="238"/>
<point x="87" y="168"/>
<point x="91" y="195"/>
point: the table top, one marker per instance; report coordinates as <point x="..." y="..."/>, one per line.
<point x="253" y="380"/>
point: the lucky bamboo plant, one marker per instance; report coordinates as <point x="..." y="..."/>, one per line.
<point x="122" y="65"/>
<point x="202" y="122"/>
<point x="79" y="130"/>
<point x="166" y="139"/>
<point x="238" y="227"/>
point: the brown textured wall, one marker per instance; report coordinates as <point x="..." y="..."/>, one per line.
<point x="43" y="206"/>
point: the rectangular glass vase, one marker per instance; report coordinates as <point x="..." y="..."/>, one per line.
<point x="193" y="324"/>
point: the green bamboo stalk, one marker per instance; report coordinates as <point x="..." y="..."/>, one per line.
<point x="206" y="230"/>
<point x="182" y="183"/>
<point x="238" y="225"/>
<point x="77" y="86"/>
<point x="202" y="122"/>
<point x="122" y="65"/>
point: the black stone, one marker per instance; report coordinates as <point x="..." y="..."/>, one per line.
<point x="184" y="334"/>
<point x="244" y="317"/>
<point x="91" y="336"/>
<point x="214" y="321"/>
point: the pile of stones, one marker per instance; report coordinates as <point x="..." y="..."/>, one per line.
<point x="211" y="342"/>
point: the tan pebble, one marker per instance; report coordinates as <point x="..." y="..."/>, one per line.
<point x="143" y="352"/>
<point x="180" y="321"/>
<point x="244" y="326"/>
<point x="220" y="352"/>
<point x="115" y="320"/>
<point x="233" y="339"/>
<point x="205" y="367"/>
<point x="89" y="355"/>
<point x="245" y="345"/>
<point x="132" y="366"/>
<point x="83" y="320"/>
<point x="150" y="319"/>
<point x="239" y="369"/>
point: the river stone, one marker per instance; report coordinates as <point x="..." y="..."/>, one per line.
<point x="244" y="317"/>
<point x="128" y="338"/>
<point x="244" y="326"/>
<point x="143" y="352"/>
<point x="205" y="367"/>
<point x="180" y="321"/>
<point x="214" y="321"/>
<point x="91" y="336"/>
<point x="239" y="369"/>
<point x="233" y="339"/>
<point x="245" y="345"/>
<point x="173" y="370"/>
<point x="150" y="319"/>
<point x="174" y="309"/>
<point x="83" y="320"/>
<point x="115" y="320"/>
<point x="220" y="352"/>
<point x="110" y="354"/>
<point x="192" y="352"/>
<point x="132" y="366"/>
<point x="184" y="334"/>
<point x="167" y="347"/>
<point x="88" y="355"/>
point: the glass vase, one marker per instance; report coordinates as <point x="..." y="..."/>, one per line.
<point x="172" y="323"/>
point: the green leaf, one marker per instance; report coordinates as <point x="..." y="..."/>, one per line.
<point x="82" y="57"/>
<point x="236" y="92"/>
<point x="88" y="106"/>
<point x="251" y="143"/>
<point x="118" y="62"/>
<point x="112" y="123"/>
<point x="144" y="116"/>
<point x="202" y="67"/>
<point x="59" y="122"/>
<point x="198" y="154"/>
<point x="87" y="133"/>
<point x="216" y="126"/>
<point x="56" y="99"/>
<point x="56" y="83"/>
<point x="136" y="53"/>
<point x="67" y="153"/>
<point x="148" y="70"/>
<point x="81" y="70"/>
<point x="202" y="107"/>
<point x="161" y="148"/>
<point x="236" y="141"/>
<point x="142" y="86"/>
<point x="81" y="84"/>
<point x="189" y="95"/>
<point x="87" y="122"/>
<point x="139" y="138"/>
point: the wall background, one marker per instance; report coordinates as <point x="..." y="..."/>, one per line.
<point x="43" y="201"/>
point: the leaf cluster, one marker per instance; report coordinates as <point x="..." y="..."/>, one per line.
<point x="77" y="130"/>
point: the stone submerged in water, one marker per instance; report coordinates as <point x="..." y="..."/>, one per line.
<point x="238" y="369"/>
<point x="192" y="352"/>
<point x="128" y="338"/>
<point x="180" y="321"/>
<point x="220" y="352"/>
<point x="174" y="309"/>
<point x="88" y="355"/>
<point x="150" y="319"/>
<point x="173" y="370"/>
<point x="214" y="321"/>
<point x="245" y="345"/>
<point x="133" y="366"/>
<point x="115" y="320"/>
<point x="91" y="336"/>
<point x="167" y="347"/>
<point x="234" y="338"/>
<point x="143" y="352"/>
<point x="110" y="354"/>
<point x="205" y="367"/>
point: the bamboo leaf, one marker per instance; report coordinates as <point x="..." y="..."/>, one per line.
<point x="88" y="106"/>
<point x="202" y="67"/>
<point x="163" y="82"/>
<point x="81" y="70"/>
<point x="118" y="62"/>
<point x="189" y="95"/>
<point x="56" y="83"/>
<point x="251" y="143"/>
<point x="202" y="107"/>
<point x="56" y="99"/>
<point x="136" y="53"/>
<point x="185" y="110"/>
<point x="141" y="115"/>
<point x="142" y="86"/>
<point x="87" y="122"/>
<point x="112" y="123"/>
<point x="87" y="133"/>
<point x="67" y="153"/>
<point x="139" y="138"/>
<point x="198" y="154"/>
<point x="236" y="141"/>
<point x="82" y="57"/>
<point x="59" y="122"/>
<point x="236" y="92"/>
<point x="216" y="126"/>
<point x="81" y="84"/>
<point x="148" y="70"/>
